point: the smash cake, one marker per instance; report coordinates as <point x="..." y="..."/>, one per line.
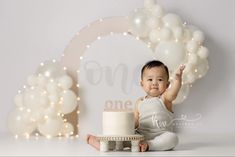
<point x="118" y="123"/>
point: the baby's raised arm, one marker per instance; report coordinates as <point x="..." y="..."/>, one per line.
<point x="171" y="93"/>
<point x="136" y="111"/>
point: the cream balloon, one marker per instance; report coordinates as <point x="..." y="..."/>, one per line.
<point x="65" y="82"/>
<point x="172" y="20"/>
<point x="32" y="80"/>
<point x="171" y="53"/>
<point x="52" y="87"/>
<point x="153" y="22"/>
<point x="178" y="33"/>
<point x="19" y="122"/>
<point x="165" y="34"/>
<point x="154" y="36"/>
<point x="157" y="11"/>
<point x="69" y="101"/>
<point x="19" y="100"/>
<point x="148" y="3"/>
<point x="50" y="69"/>
<point x="198" y="36"/>
<point x="182" y="95"/>
<point x="67" y="129"/>
<point x="51" y="127"/>
<point x="202" y="68"/>
<point x="138" y="20"/>
<point x="192" y="46"/>
<point x="203" y="52"/>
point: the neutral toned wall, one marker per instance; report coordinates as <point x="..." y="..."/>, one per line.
<point x="32" y="31"/>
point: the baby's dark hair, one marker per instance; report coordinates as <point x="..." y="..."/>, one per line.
<point x="154" y="63"/>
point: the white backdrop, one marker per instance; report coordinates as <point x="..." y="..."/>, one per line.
<point x="32" y="31"/>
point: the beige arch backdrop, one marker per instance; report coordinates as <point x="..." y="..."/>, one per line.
<point x="74" y="52"/>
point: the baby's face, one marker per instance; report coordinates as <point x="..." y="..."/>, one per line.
<point x="154" y="81"/>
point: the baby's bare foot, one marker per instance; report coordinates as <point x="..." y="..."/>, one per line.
<point x="143" y="147"/>
<point x="93" y="141"/>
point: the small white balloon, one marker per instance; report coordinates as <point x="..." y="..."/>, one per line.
<point x="187" y="35"/>
<point x="190" y="78"/>
<point x="69" y="101"/>
<point x="138" y="20"/>
<point x="54" y="98"/>
<point x="202" y="68"/>
<point x="153" y="22"/>
<point x="32" y="80"/>
<point x="19" y="100"/>
<point x="41" y="81"/>
<point x="154" y="36"/>
<point x="67" y="129"/>
<point x="172" y="20"/>
<point x="51" y="127"/>
<point x="171" y="53"/>
<point x="178" y="33"/>
<point x="182" y="95"/>
<point x="192" y="46"/>
<point x="192" y="58"/>
<point x="65" y="82"/>
<point x="157" y="11"/>
<point x="203" y="52"/>
<point x="52" y="87"/>
<point x="198" y="36"/>
<point x="50" y="69"/>
<point x="149" y="3"/>
<point x="165" y="34"/>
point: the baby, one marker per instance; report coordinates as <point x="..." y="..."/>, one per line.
<point x="153" y="113"/>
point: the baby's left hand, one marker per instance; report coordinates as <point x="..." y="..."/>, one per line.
<point x="180" y="71"/>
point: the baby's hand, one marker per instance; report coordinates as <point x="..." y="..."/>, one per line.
<point x="180" y="71"/>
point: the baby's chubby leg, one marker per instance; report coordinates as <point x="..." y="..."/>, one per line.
<point x="165" y="141"/>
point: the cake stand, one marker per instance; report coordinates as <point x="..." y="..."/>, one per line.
<point x="106" y="139"/>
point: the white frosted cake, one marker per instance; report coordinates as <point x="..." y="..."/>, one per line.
<point x="118" y="123"/>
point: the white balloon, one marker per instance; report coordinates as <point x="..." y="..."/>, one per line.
<point x="165" y="34"/>
<point x="198" y="36"/>
<point x="54" y="98"/>
<point x="154" y="36"/>
<point x="52" y="87"/>
<point x="50" y="69"/>
<point x="187" y="35"/>
<point x="34" y="99"/>
<point x="182" y="95"/>
<point x="203" y="52"/>
<point x="178" y="33"/>
<point x="192" y="46"/>
<point x="172" y="20"/>
<point x="69" y="101"/>
<point x="19" y="100"/>
<point x="192" y="58"/>
<point x="157" y="11"/>
<point x="19" y="122"/>
<point x="41" y="81"/>
<point x="65" y="82"/>
<point x="153" y="22"/>
<point x="202" y="68"/>
<point x="171" y="53"/>
<point x="67" y="129"/>
<point x="148" y="3"/>
<point x="138" y="20"/>
<point x="51" y="127"/>
<point x="190" y="78"/>
<point x="32" y="80"/>
<point x="52" y="111"/>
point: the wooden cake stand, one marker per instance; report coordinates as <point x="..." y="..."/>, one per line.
<point x="106" y="139"/>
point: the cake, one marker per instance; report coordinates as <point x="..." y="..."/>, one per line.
<point x="118" y="123"/>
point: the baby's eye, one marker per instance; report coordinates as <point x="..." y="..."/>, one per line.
<point x="150" y="79"/>
<point x="160" y="79"/>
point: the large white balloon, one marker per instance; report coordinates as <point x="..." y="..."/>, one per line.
<point x="182" y="95"/>
<point x="51" y="127"/>
<point x="35" y="99"/>
<point x="69" y="101"/>
<point x="50" y="69"/>
<point x="67" y="129"/>
<point x="203" y="52"/>
<point x="172" y="21"/>
<point x="138" y="20"/>
<point x="171" y="53"/>
<point x="19" y="122"/>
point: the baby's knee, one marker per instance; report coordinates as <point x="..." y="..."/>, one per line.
<point x="172" y="140"/>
